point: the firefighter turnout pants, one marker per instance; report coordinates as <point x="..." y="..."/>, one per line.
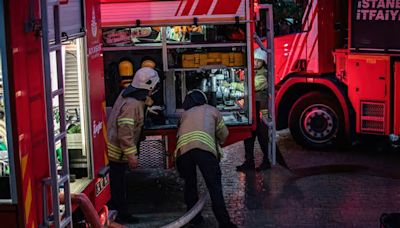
<point x="118" y="188"/>
<point x="261" y="133"/>
<point x="211" y="171"/>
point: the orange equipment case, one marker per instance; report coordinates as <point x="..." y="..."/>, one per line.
<point x="230" y="59"/>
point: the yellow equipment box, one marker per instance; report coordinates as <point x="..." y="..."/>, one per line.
<point x="229" y="59"/>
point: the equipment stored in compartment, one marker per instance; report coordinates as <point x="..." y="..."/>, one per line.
<point x="231" y="59"/>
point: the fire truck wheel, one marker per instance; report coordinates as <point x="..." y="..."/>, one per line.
<point x="316" y="120"/>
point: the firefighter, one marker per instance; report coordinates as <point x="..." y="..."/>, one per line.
<point x="124" y="132"/>
<point x="200" y="133"/>
<point x="261" y="132"/>
<point x="155" y="114"/>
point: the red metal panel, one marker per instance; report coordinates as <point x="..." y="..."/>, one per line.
<point x="349" y="25"/>
<point x="125" y="14"/>
<point x="203" y="7"/>
<point x="27" y="81"/>
<point x="283" y="46"/>
<point x="397" y="98"/>
<point x="96" y="78"/>
<point x="127" y="1"/>
<point x="97" y="101"/>
<point x="227" y="6"/>
<point x="188" y="7"/>
<point x="326" y="31"/>
<point x="369" y="81"/>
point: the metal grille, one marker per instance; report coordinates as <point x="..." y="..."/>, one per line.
<point x="373" y="109"/>
<point x="370" y="125"/>
<point x="152" y="154"/>
<point x="373" y="117"/>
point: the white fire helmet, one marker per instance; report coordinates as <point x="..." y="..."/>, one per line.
<point x="261" y="54"/>
<point x="145" y="78"/>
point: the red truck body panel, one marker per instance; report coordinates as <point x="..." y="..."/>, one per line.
<point x="368" y="91"/>
<point x="397" y="98"/>
<point x="359" y="62"/>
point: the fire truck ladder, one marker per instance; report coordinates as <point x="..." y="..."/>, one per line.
<point x="270" y="119"/>
<point x="58" y="182"/>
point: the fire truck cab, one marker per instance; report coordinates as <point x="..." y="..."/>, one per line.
<point x="337" y="70"/>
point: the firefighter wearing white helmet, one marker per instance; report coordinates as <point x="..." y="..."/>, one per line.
<point x="260" y="80"/>
<point x="158" y="100"/>
<point x="261" y="55"/>
<point x="125" y="125"/>
<point x="260" y="86"/>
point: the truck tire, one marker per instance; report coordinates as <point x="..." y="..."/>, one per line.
<point x="316" y="120"/>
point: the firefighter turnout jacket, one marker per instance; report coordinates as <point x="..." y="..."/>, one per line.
<point x="260" y="84"/>
<point x="124" y="128"/>
<point x="201" y="127"/>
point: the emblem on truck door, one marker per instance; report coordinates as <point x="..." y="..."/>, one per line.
<point x="94" y="24"/>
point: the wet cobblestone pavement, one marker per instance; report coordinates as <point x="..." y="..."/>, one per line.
<point x="277" y="198"/>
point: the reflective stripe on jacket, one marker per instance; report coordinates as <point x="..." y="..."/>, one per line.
<point x="201" y="127"/>
<point x="260" y="84"/>
<point x="124" y="127"/>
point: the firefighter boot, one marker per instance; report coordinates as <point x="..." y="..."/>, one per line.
<point x="246" y="166"/>
<point x="263" y="166"/>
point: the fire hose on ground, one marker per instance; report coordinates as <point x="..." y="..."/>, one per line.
<point x="87" y="208"/>
<point x="185" y="219"/>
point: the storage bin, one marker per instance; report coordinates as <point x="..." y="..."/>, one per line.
<point x="229" y="59"/>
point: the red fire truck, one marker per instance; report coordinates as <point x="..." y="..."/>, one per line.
<point x="337" y="73"/>
<point x="206" y="45"/>
<point x="52" y="98"/>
